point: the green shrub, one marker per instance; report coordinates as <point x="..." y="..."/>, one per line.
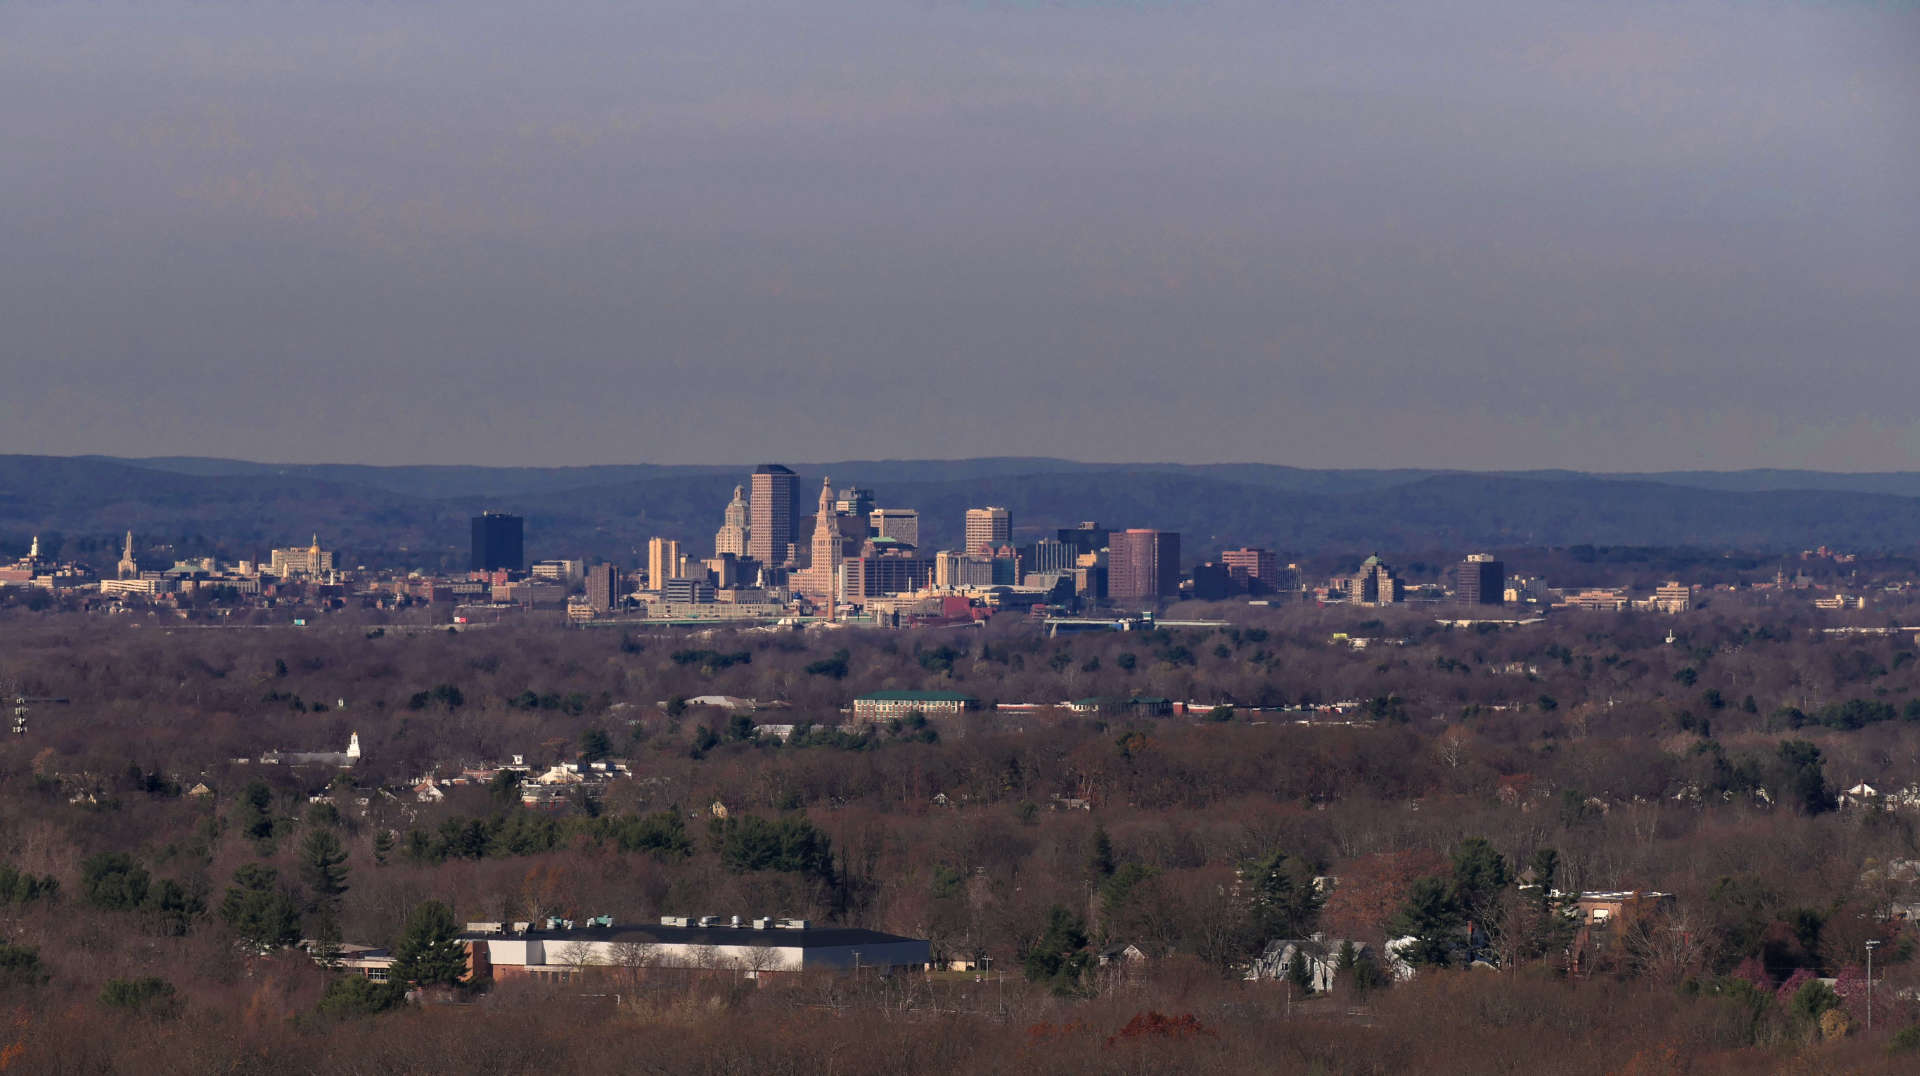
<point x="20" y="966"/>
<point x="150" y="994"/>
<point x="355" y="996"/>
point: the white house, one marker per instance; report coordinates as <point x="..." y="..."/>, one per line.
<point x="1322" y="956"/>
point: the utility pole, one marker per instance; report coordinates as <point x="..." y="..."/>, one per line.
<point x="1872" y="944"/>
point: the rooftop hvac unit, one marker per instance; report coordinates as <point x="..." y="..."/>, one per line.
<point x="762" y="923"/>
<point x="485" y="928"/>
<point x="706" y="921"/>
<point x="735" y="924"/>
<point x="673" y="921"/>
<point x="793" y="924"/>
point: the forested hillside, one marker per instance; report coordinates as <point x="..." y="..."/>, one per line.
<point x="416" y="516"/>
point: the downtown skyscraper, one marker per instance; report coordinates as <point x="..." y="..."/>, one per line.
<point x="770" y="537"/>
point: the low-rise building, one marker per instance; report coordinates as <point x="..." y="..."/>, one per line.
<point x="663" y="610"/>
<point x="1599" y="599"/>
<point x="886" y="705"/>
<point x="1135" y="706"/>
<point x="148" y="587"/>
<point x="343" y="759"/>
<point x="1672" y="597"/>
<point x="558" y="571"/>
<point x="562" y="950"/>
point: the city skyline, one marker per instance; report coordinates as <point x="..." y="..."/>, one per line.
<point x="1306" y="504"/>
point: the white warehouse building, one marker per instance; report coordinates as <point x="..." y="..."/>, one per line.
<point x="752" y="946"/>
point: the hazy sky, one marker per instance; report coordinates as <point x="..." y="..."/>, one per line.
<point x="1601" y="235"/>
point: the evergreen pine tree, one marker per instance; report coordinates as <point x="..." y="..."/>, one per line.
<point x="323" y="865"/>
<point x="430" y="952"/>
<point x="1298" y="973"/>
<point x="258" y="910"/>
<point x="1100" y="861"/>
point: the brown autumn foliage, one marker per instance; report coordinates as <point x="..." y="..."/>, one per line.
<point x="1638" y="762"/>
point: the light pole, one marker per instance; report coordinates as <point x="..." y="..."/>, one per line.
<point x="1872" y="944"/>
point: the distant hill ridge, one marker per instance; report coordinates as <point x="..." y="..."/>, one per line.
<point x="388" y="514"/>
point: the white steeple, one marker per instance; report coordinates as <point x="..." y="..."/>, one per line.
<point x="353" y="745"/>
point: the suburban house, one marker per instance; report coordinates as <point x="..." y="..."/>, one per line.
<point x="887" y="705"/>
<point x="1604" y="917"/>
<point x="560" y="950"/>
<point x="1321" y="954"/>
<point x="1122" y="955"/>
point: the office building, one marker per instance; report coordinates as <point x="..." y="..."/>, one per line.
<point x="774" y="509"/>
<point x="1143" y="565"/>
<point x="885" y="567"/>
<point x="725" y="571"/>
<point x="603" y="588"/>
<point x="1006" y="567"/>
<point x="854" y="501"/>
<point x="988" y="529"/>
<point x="958" y="571"/>
<point x="1212" y="581"/>
<point x="735" y="526"/>
<point x="1051" y="555"/>
<point x="823" y="562"/>
<point x="900" y="524"/>
<point x="1674" y="597"/>
<point x="1090" y="577"/>
<point x="557" y="571"/>
<point x="1481" y="581"/>
<point x="1088" y="537"/>
<point x="1252" y="570"/>
<point x="498" y="543"/>
<point x="687" y="592"/>
<point x="663" y="562"/>
<point x="1375" y="584"/>
<point x="1599" y="600"/>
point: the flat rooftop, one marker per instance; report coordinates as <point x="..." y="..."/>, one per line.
<point x="809" y="937"/>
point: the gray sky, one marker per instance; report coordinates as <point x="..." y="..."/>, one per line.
<point x="1596" y="235"/>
